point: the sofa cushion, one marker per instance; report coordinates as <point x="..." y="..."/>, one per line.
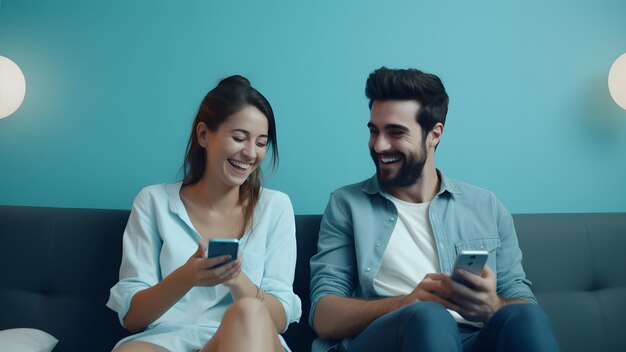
<point x="57" y="266"/>
<point x="576" y="264"/>
<point x="27" y="340"/>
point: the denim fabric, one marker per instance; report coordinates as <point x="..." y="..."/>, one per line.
<point x="358" y="222"/>
<point x="427" y="326"/>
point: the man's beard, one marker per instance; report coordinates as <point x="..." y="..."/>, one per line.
<point x="409" y="173"/>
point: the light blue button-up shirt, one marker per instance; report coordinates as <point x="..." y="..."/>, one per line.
<point x="358" y="223"/>
<point x="159" y="238"/>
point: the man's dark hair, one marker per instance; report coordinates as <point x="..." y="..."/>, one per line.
<point x="410" y="84"/>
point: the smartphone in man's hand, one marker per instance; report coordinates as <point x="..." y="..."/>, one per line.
<point x="469" y="260"/>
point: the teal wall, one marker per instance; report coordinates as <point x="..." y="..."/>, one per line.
<point x="112" y="88"/>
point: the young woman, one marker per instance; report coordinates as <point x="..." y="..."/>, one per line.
<point x="170" y="294"/>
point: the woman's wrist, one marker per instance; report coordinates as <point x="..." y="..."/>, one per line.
<point x="242" y="287"/>
<point x="259" y="294"/>
<point x="182" y="277"/>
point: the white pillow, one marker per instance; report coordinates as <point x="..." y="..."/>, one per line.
<point x="26" y="340"/>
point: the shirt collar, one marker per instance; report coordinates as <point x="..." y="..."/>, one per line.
<point x="446" y="184"/>
<point x="173" y="198"/>
<point x="372" y="186"/>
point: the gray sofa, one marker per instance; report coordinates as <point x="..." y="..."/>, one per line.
<point x="57" y="265"/>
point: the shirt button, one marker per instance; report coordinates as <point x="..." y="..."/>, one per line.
<point x="367" y="270"/>
<point x="391" y="218"/>
<point x="378" y="244"/>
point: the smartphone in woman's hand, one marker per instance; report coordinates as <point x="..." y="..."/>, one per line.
<point x="223" y="246"/>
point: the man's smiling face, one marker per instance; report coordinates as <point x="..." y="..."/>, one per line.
<point x="397" y="144"/>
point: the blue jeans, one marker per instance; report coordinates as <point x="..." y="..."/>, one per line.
<point x="427" y="326"/>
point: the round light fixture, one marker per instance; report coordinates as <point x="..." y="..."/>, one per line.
<point x="617" y="81"/>
<point x="12" y="87"/>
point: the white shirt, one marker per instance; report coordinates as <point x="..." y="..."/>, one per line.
<point x="410" y="254"/>
<point x="159" y="238"/>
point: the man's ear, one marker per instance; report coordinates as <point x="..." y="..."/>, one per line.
<point x="435" y="134"/>
<point x="202" y="132"/>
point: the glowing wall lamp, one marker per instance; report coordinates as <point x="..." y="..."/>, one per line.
<point x="617" y="81"/>
<point x="12" y="87"/>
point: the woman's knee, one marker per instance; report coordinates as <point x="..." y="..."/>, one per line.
<point x="137" y="346"/>
<point x="246" y="311"/>
<point x="245" y="321"/>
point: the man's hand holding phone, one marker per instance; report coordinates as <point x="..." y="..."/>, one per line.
<point x="469" y="261"/>
<point x="473" y="286"/>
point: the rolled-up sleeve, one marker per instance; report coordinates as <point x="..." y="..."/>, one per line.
<point x="140" y="256"/>
<point x="280" y="263"/>
<point x="512" y="282"/>
<point x="333" y="268"/>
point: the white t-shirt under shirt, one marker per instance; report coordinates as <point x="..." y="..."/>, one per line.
<point x="410" y="254"/>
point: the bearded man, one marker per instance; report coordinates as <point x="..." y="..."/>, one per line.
<point x="381" y="278"/>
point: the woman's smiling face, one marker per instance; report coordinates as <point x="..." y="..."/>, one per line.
<point x="236" y="148"/>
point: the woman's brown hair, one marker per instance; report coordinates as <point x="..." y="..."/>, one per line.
<point x="231" y="95"/>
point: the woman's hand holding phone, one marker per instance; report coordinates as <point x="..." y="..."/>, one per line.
<point x="202" y="271"/>
<point x="218" y="247"/>
<point x="234" y="280"/>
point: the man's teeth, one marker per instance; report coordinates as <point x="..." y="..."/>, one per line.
<point x="240" y="165"/>
<point x="390" y="159"/>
